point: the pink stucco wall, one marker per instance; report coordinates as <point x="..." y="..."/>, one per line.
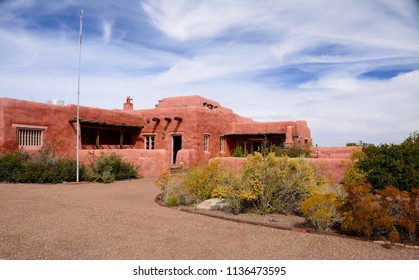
<point x="152" y="163"/>
<point x="54" y="117"/>
<point x="236" y="163"/>
<point x="330" y="168"/>
<point x="333" y="152"/>
<point x="330" y="161"/>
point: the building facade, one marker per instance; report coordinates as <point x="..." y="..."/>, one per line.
<point x="178" y="131"/>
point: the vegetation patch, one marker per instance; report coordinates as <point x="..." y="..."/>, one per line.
<point x="321" y="211"/>
<point x="379" y="198"/>
<point x="108" y="168"/>
<point x="266" y="184"/>
<point x="46" y="166"/>
<point x="388" y="213"/>
<point x="389" y="164"/>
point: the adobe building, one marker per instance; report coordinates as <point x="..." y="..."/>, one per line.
<point x="178" y="131"/>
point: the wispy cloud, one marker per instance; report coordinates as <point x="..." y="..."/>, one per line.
<point x="107" y="31"/>
<point x="349" y="68"/>
<point x="192" y="20"/>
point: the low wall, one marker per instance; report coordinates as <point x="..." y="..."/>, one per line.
<point x="334" y="152"/>
<point x="155" y="162"/>
<point x="236" y="163"/>
<point x="330" y="168"/>
<point x="152" y="162"/>
<point x="186" y="157"/>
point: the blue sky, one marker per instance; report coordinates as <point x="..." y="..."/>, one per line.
<point x="350" y="68"/>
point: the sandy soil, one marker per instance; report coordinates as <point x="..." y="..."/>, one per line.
<point x="122" y="221"/>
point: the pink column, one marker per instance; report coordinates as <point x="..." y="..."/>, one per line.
<point x="288" y="136"/>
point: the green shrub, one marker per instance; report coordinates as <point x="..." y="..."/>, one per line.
<point x="61" y="170"/>
<point x="12" y="166"/>
<point x="390" y="164"/>
<point x="46" y="166"/>
<point x="353" y="172"/>
<point x="238" y="152"/>
<point x="110" y="167"/>
<point x="293" y="151"/>
<point x="34" y="173"/>
<point x="66" y="168"/>
<point x="234" y="205"/>
<point x="381" y="183"/>
<point x="43" y="167"/>
<point x="173" y="200"/>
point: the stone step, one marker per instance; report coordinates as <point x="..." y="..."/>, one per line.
<point x="176" y="169"/>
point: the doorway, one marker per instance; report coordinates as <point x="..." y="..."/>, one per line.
<point x="176" y="146"/>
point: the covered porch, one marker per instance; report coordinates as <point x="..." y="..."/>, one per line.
<point x="102" y="135"/>
<point x="253" y="142"/>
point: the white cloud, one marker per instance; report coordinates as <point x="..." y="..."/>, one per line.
<point x="223" y="62"/>
<point x="375" y="110"/>
<point x="107" y="31"/>
<point x="270" y="60"/>
<point x="190" y="20"/>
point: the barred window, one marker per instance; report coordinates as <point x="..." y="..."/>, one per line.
<point x="150" y="142"/>
<point x="29" y="137"/>
<point x="206" y="142"/>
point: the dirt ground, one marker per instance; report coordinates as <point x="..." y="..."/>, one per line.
<point x="122" y="221"/>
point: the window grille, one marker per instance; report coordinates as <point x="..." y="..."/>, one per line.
<point x="206" y="142"/>
<point x="29" y="137"/>
<point x="150" y="142"/>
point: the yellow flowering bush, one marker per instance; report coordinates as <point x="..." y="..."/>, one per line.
<point x="320" y="211"/>
<point x="267" y="183"/>
<point x="279" y="184"/>
<point x="197" y="184"/>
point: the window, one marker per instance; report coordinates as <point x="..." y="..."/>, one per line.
<point x="29" y="137"/>
<point x="150" y="142"/>
<point x="206" y="142"/>
<point x="221" y="143"/>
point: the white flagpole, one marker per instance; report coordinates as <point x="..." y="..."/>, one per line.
<point x="78" y="101"/>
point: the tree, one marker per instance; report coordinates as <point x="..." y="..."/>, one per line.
<point x="391" y="164"/>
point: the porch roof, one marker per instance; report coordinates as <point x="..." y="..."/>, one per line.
<point x="106" y="125"/>
<point x="256" y="134"/>
<point x="257" y="128"/>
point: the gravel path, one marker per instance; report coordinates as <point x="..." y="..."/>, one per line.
<point x="122" y="221"/>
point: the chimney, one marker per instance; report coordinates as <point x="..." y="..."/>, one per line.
<point x="128" y="106"/>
